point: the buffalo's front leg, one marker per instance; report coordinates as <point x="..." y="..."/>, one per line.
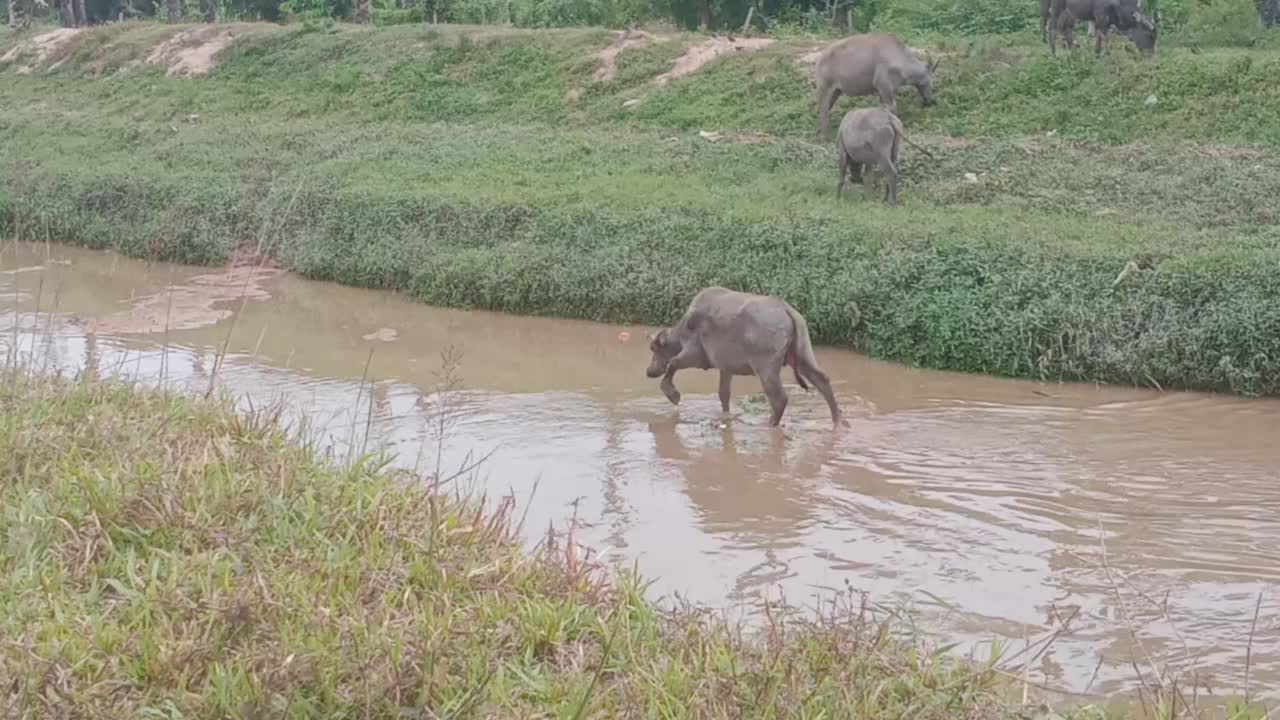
<point x="679" y="362"/>
<point x="726" y="380"/>
<point x="669" y="387"/>
<point x="1101" y="28"/>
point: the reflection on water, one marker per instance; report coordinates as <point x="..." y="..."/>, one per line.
<point x="993" y="496"/>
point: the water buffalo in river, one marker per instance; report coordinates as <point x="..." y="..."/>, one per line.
<point x="870" y="137"/>
<point x="740" y="333"/>
<point x="868" y="64"/>
<point x="1122" y="15"/>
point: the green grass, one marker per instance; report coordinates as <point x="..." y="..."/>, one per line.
<point x="166" y="557"/>
<point x="481" y="167"/>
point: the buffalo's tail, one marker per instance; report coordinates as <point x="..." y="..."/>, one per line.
<point x="801" y="346"/>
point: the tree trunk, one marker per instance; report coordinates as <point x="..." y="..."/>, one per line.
<point x="82" y="18"/>
<point x="1269" y="12"/>
<point x="19" y="19"/>
<point x="175" y="10"/>
<point x="68" y="13"/>
<point x="362" y="12"/>
<point x="706" y="20"/>
<point x="840" y="17"/>
<point x="209" y="8"/>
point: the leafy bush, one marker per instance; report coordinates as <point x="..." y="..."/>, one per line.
<point x="1224" y="23"/>
<point x="399" y="16"/>
<point x="960" y="17"/>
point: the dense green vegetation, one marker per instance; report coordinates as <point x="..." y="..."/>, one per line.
<point x="1110" y="220"/>
<point x="1232" y="22"/>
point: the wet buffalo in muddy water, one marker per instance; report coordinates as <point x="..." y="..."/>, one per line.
<point x="1105" y="15"/>
<point x="868" y="64"/>
<point x="740" y="333"/>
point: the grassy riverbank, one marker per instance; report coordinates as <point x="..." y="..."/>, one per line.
<point x="1104" y="220"/>
<point x="166" y="557"/>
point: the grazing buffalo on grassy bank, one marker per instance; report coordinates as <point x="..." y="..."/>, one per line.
<point x="869" y="64"/>
<point x="1122" y="15"/>
<point x="870" y="137"/>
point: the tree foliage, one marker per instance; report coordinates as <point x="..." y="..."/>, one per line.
<point x="1237" y="23"/>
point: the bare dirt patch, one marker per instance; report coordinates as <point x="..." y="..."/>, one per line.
<point x="704" y="52"/>
<point x="742" y="138"/>
<point x="191" y="52"/>
<point x="384" y="334"/>
<point x="810" y="55"/>
<point x="945" y="141"/>
<point x="39" y="49"/>
<point x="189" y="305"/>
<point x="1034" y="147"/>
<point x="607" y="70"/>
<point x="1229" y="152"/>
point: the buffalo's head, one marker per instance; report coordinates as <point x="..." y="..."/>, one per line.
<point x="1143" y="33"/>
<point x="664" y="347"/>
<point x="924" y="83"/>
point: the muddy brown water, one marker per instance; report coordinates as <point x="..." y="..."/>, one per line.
<point x="981" y="503"/>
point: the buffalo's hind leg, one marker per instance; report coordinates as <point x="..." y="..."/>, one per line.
<point x="795" y="368"/>
<point x="844" y="170"/>
<point x="771" y="379"/>
<point x="891" y="185"/>
<point x="823" y="384"/>
<point x="827" y="96"/>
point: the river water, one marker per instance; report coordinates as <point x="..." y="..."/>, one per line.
<point x="993" y="508"/>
